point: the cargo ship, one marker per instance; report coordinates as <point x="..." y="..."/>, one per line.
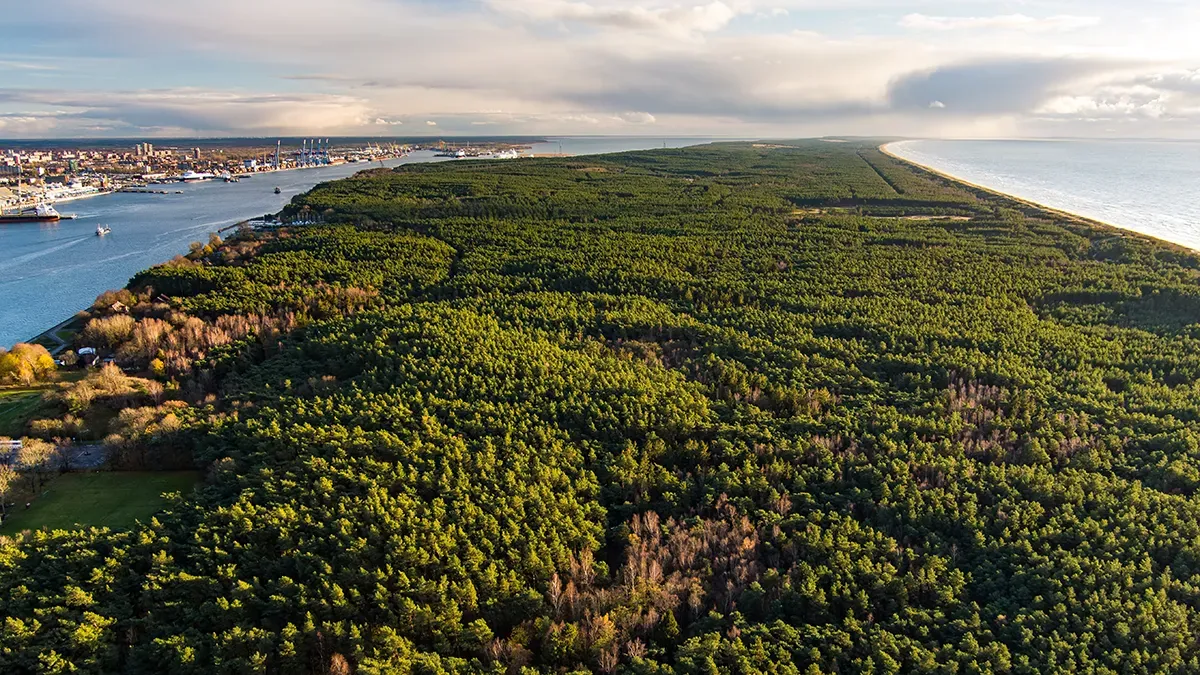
<point x="39" y="213"/>
<point x="42" y="213"/>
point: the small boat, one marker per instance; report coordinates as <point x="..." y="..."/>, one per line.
<point x="278" y="191"/>
<point x="103" y="230"/>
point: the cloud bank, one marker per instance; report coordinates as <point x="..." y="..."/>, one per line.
<point x="1007" y="22"/>
<point x="730" y="67"/>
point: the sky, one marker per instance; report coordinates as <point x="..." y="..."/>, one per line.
<point x="763" y="68"/>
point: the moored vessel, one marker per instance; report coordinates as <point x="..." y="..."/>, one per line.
<point x="41" y="213"/>
<point x="193" y="177"/>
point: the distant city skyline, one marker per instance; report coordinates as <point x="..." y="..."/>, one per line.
<point x="949" y="68"/>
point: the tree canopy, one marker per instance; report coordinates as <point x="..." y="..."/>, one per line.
<point x="25" y="364"/>
<point x="740" y="408"/>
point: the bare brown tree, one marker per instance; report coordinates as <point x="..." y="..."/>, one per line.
<point x="34" y="457"/>
<point x="8" y="478"/>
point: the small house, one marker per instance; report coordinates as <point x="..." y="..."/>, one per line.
<point x="87" y="357"/>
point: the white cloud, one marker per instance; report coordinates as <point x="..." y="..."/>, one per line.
<point x="1017" y="22"/>
<point x="25" y="65"/>
<point x="23" y="126"/>
<point x="194" y="110"/>
<point x="1182" y="81"/>
<point x="430" y="123"/>
<point x="636" y="117"/>
<point x="588" y="66"/>
<point x="671" y="19"/>
<point x="1115" y="101"/>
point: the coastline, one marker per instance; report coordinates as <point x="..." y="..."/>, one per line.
<point x="50" y="338"/>
<point x="248" y="174"/>
<point x="65" y="200"/>
<point x="90" y="195"/>
<point x="1070" y="216"/>
<point x="1116" y="230"/>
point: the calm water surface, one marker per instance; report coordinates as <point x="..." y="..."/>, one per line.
<point x="49" y="272"/>
<point x="1145" y="186"/>
<point x="594" y="145"/>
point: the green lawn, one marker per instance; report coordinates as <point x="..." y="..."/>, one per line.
<point x="20" y="404"/>
<point x="17" y="406"/>
<point x="46" y="342"/>
<point x="105" y="499"/>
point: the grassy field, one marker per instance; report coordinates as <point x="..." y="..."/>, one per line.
<point x="20" y="404"/>
<point x="106" y="499"/>
<point x="17" y="406"/>
<point x="46" y="341"/>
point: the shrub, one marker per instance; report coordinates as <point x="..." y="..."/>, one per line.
<point x="109" y="331"/>
<point x="26" y="364"/>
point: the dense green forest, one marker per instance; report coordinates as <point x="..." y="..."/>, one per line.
<point x="787" y="408"/>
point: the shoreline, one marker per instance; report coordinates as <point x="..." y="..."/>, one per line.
<point x="90" y="195"/>
<point x="67" y="200"/>
<point x="248" y="174"/>
<point x="883" y="148"/>
<point x="49" y="336"/>
<point x="1064" y="214"/>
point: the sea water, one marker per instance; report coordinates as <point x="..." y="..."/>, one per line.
<point x="1151" y="187"/>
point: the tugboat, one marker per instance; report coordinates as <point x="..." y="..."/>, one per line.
<point x="103" y="230"/>
<point x="278" y="191"/>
